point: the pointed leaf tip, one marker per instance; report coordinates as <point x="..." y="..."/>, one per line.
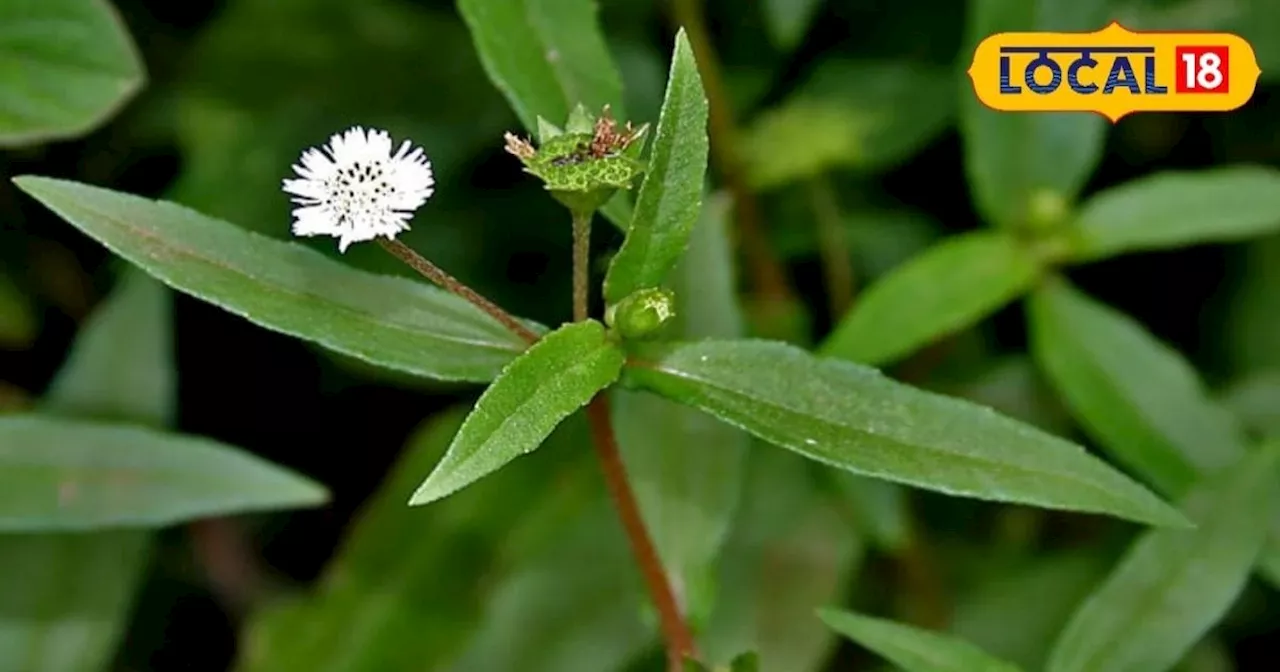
<point x="553" y="378"/>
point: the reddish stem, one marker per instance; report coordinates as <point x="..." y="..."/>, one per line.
<point x="675" y="631"/>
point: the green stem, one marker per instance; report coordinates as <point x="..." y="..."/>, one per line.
<point x="676" y="633"/>
<point x="581" y="264"/>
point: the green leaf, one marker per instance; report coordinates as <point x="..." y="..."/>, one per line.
<point x="670" y="197"/>
<point x="1016" y="613"/>
<point x="65" y="598"/>
<point x="913" y="649"/>
<point x="60" y="474"/>
<point x="17" y="320"/>
<point x="789" y="553"/>
<point x="854" y="418"/>
<point x="1135" y="395"/>
<point x="555" y="377"/>
<point x="878" y="509"/>
<point x="1179" y="208"/>
<point x="869" y="115"/>
<point x="391" y="322"/>
<point x="685" y="466"/>
<point x="68" y="66"/>
<point x="1025" y="170"/>
<point x="559" y="613"/>
<point x="946" y="288"/>
<point x="787" y="20"/>
<point x="122" y="367"/>
<point x="546" y="56"/>
<point x="1256" y="401"/>
<point x="367" y="612"/>
<point x="1172" y="586"/>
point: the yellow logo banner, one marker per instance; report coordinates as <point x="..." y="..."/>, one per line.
<point x="1114" y="72"/>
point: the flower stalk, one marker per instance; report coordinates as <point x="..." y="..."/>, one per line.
<point x="447" y="282"/>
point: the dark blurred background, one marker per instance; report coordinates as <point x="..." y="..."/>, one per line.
<point x="237" y="88"/>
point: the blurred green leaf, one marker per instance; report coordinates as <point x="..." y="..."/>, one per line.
<point x="1258" y="21"/>
<point x="559" y="613"/>
<point x="1172" y="586"/>
<point x="685" y="466"/>
<point x="1174" y="209"/>
<point x="122" y="367"/>
<point x="1135" y="395"/>
<point x="946" y="288"/>
<point x="789" y="553"/>
<point x="878" y="509"/>
<point x="1252" y="322"/>
<point x="546" y="56"/>
<point x="382" y="604"/>
<point x="1014" y="386"/>
<point x="1017" y="613"/>
<point x="852" y="417"/>
<point x="1256" y="401"/>
<point x="1210" y="655"/>
<point x="553" y="378"/>
<point x="670" y="197"/>
<point x="787" y="20"/>
<point x="69" y="65"/>
<point x="65" y="598"/>
<point x="17" y="319"/>
<point x="912" y="648"/>
<point x="879" y="239"/>
<point x="1023" y="169"/>
<point x="60" y="474"/>
<point x="868" y="115"/>
<point x="391" y="322"/>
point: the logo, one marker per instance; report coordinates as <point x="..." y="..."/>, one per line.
<point x="1114" y="72"/>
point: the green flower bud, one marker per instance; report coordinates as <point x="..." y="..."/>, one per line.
<point x="586" y="163"/>
<point x="643" y="314"/>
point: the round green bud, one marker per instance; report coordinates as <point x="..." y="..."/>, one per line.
<point x="643" y="314"/>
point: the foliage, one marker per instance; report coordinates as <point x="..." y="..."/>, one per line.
<point x="807" y="384"/>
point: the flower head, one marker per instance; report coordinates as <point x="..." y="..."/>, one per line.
<point x="587" y="162"/>
<point x="356" y="189"/>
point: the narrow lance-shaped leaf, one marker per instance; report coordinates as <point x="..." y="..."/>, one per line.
<point x="545" y="56"/>
<point x="946" y="288"/>
<point x="68" y="65"/>
<point x="65" y="598"/>
<point x="1135" y="395"/>
<point x="1025" y="168"/>
<point x="1173" y="585"/>
<point x="853" y="417"/>
<point x="687" y="467"/>
<point x="670" y="197"/>
<point x="1178" y="208"/>
<point x="555" y="377"/>
<point x="391" y="322"/>
<point x="911" y="648"/>
<point x="59" y="474"/>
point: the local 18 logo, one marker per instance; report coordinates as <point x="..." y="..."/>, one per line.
<point x="1114" y="72"/>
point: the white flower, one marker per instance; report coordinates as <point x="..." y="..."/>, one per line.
<point x="355" y="189"/>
